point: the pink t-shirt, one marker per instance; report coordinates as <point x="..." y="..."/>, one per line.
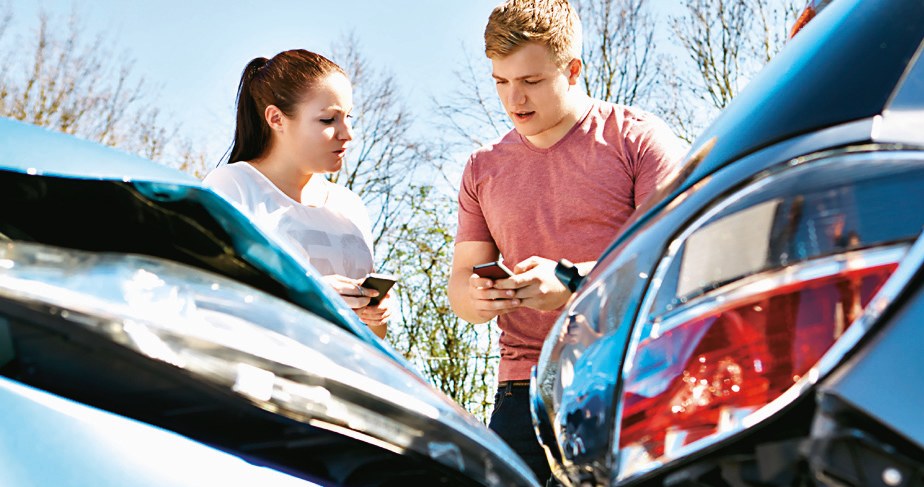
<point x="567" y="201"/>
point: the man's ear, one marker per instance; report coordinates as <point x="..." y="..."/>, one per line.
<point x="274" y="117"/>
<point x="574" y="71"/>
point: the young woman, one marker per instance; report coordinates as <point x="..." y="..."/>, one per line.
<point x="293" y="127"/>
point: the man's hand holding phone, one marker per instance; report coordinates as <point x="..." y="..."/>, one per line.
<point x="489" y="300"/>
<point x="535" y="284"/>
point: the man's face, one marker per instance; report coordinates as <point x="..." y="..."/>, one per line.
<point x="534" y="91"/>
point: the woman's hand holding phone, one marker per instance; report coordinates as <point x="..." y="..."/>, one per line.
<point x="379" y="282"/>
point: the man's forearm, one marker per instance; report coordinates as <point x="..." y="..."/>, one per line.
<point x="463" y="305"/>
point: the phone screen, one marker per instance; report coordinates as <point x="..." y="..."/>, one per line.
<point x="381" y="283"/>
<point x="493" y="270"/>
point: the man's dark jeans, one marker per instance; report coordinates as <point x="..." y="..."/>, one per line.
<point x="511" y="421"/>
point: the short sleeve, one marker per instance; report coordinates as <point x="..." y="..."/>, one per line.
<point x="658" y="153"/>
<point x="224" y="180"/>
<point x="472" y="224"/>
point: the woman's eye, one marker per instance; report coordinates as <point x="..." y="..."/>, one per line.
<point x="327" y="121"/>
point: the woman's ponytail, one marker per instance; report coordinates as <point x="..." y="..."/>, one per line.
<point x="251" y="134"/>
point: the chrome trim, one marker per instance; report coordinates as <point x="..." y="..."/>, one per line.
<point x="900" y="126"/>
<point x="747" y="287"/>
<point x="901" y="118"/>
<point x="536" y="408"/>
<point x="907" y="96"/>
<point x="647" y="302"/>
<point x="908" y="266"/>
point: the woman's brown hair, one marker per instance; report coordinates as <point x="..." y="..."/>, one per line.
<point x="281" y="81"/>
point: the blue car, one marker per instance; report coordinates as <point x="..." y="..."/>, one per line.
<point x="759" y="321"/>
<point x="150" y="334"/>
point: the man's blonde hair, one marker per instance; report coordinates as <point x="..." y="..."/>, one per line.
<point x="553" y="23"/>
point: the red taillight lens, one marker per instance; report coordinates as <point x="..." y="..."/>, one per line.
<point x="804" y="18"/>
<point x="701" y="376"/>
<point x="813" y="8"/>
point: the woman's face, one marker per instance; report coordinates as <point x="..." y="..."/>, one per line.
<point x="317" y="135"/>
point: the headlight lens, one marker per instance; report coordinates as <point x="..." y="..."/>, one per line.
<point x="275" y="354"/>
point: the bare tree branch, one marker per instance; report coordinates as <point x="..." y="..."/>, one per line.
<point x="618" y="55"/>
<point x="725" y="43"/>
<point x="472" y="114"/>
<point x="392" y="168"/>
<point x="68" y="80"/>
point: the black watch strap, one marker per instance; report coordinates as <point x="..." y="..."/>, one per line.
<point x="568" y="274"/>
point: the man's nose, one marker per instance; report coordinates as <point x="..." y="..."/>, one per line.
<point x="516" y="96"/>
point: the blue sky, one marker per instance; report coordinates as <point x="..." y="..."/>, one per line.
<point x="192" y="51"/>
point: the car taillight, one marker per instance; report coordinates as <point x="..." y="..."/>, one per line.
<point x="704" y="374"/>
<point x="752" y="302"/>
<point x="808" y="13"/>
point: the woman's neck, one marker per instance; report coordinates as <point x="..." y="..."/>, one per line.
<point x="281" y="173"/>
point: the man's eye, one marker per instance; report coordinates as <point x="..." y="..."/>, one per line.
<point x="499" y="81"/>
<point x="531" y="81"/>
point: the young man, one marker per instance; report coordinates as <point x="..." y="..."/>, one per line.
<point x="560" y="185"/>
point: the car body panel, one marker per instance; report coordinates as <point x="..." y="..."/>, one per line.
<point x="50" y="440"/>
<point x="867" y="43"/>
<point x="815" y="98"/>
<point x="129" y="287"/>
<point x="63" y="191"/>
<point x="41" y="151"/>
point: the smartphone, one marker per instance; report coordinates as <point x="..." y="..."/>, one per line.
<point x="493" y="270"/>
<point x="381" y="283"/>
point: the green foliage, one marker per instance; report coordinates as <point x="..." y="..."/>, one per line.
<point x="456" y="356"/>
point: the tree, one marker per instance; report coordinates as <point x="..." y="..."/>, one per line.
<point x="618" y="50"/>
<point x="398" y="175"/>
<point x="471" y="114"/>
<point x="725" y="43"/>
<point x="63" y="80"/>
<point x="458" y="357"/>
<point x="385" y="156"/>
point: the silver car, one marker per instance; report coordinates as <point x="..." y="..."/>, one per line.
<point x="135" y="299"/>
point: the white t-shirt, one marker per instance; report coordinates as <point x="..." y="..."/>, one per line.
<point x="331" y="224"/>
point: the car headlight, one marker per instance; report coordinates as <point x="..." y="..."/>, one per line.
<point x="759" y="297"/>
<point x="262" y="348"/>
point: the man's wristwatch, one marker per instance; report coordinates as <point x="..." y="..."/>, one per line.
<point x="568" y="274"/>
